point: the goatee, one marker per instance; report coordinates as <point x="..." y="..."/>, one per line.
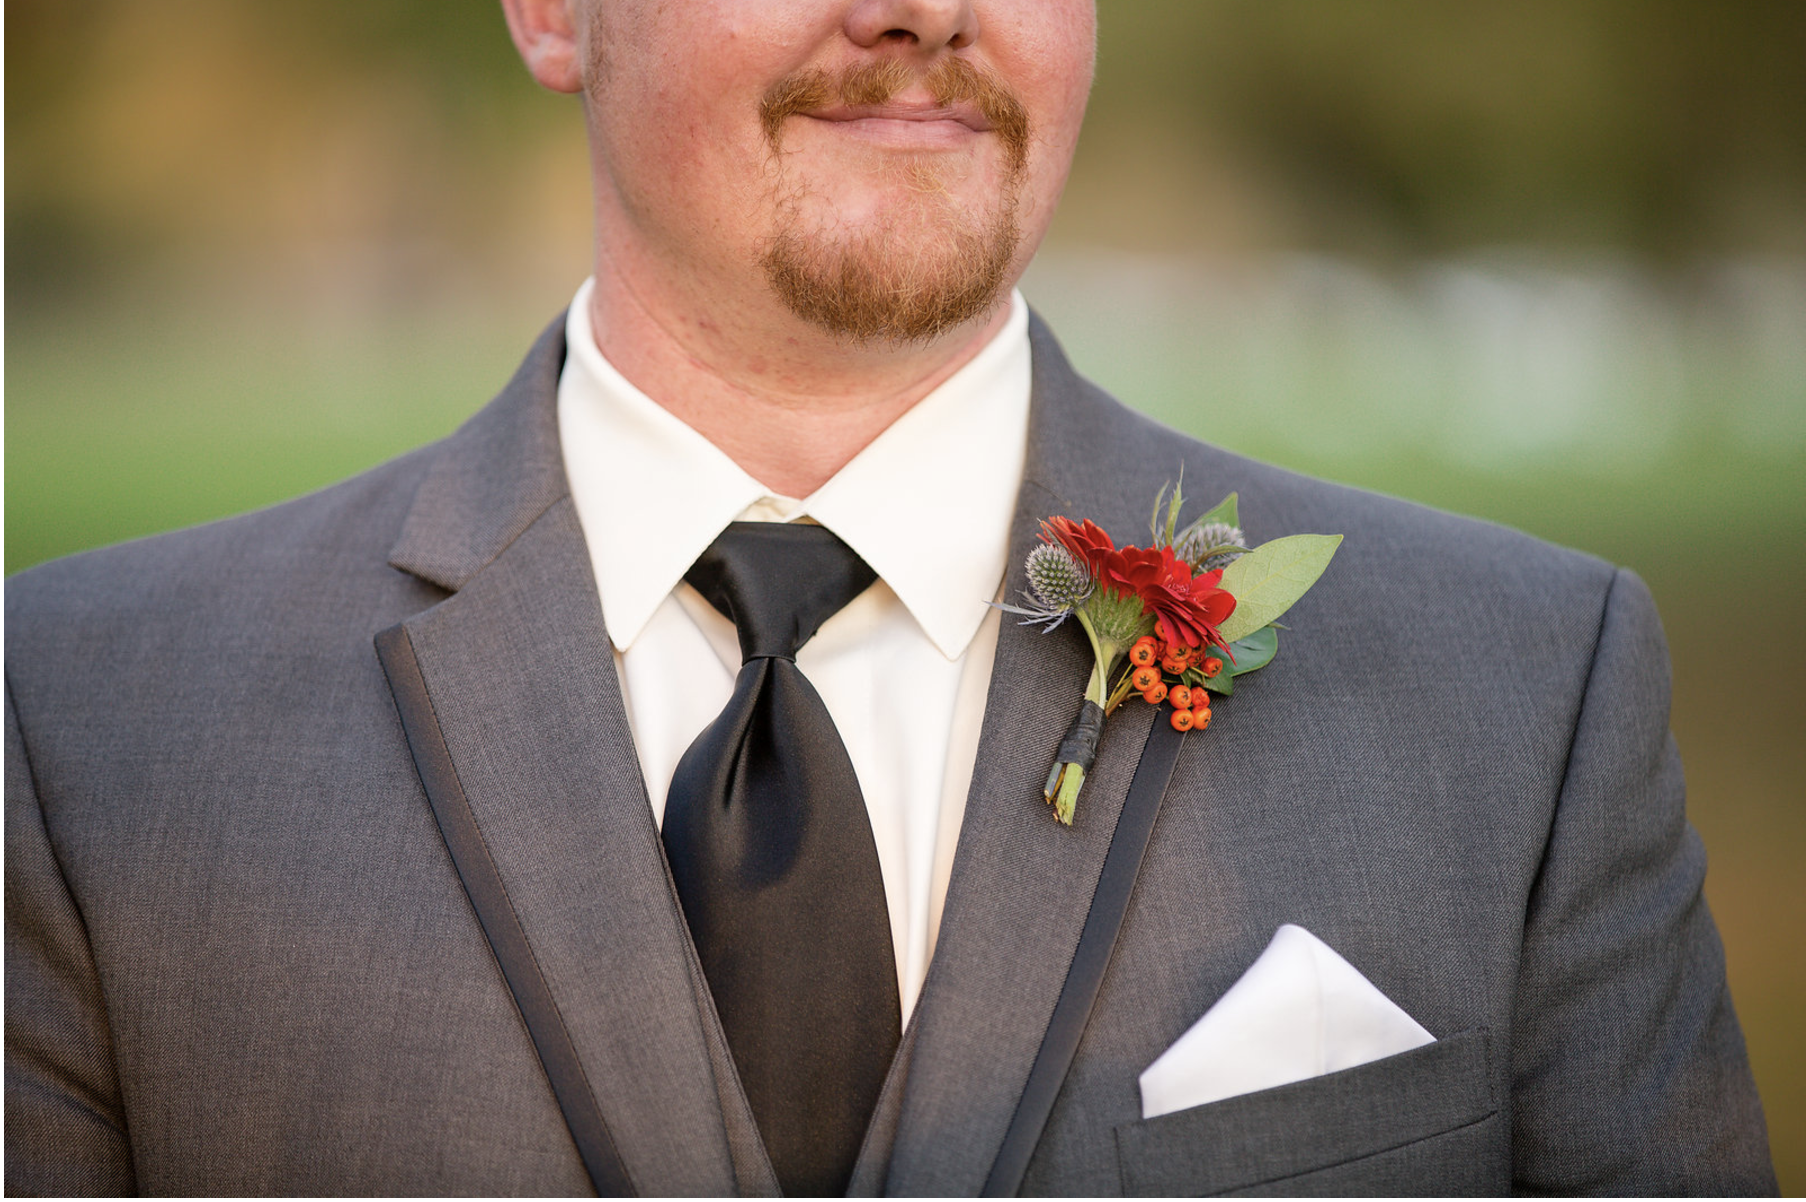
<point x="930" y="269"/>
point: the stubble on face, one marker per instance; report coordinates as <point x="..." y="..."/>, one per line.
<point x="929" y="269"/>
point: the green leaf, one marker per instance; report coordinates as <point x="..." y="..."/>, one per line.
<point x="1254" y="651"/>
<point x="1162" y="532"/>
<point x="1172" y="512"/>
<point x="1224" y="513"/>
<point x="1269" y="579"/>
<point x="1154" y="518"/>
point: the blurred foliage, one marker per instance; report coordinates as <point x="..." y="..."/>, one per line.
<point x="332" y="147"/>
<point x="1408" y="127"/>
<point x="1665" y="127"/>
<point x="1542" y="261"/>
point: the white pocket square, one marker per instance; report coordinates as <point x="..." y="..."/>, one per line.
<point x="1300" y="1011"/>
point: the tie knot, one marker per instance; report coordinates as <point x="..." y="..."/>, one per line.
<point x="778" y="582"/>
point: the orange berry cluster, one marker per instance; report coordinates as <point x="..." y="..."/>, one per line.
<point x="1151" y="661"/>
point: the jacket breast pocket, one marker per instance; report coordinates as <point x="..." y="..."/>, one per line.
<point x="1417" y="1101"/>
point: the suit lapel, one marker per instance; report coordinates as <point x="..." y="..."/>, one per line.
<point x="520" y="678"/>
<point x="1021" y="885"/>
<point x="527" y="706"/>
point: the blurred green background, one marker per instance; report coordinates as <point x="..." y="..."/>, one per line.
<point x="1543" y="262"/>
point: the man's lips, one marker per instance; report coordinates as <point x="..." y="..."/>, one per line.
<point x="966" y="115"/>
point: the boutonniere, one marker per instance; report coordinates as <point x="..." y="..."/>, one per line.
<point x="1172" y="622"/>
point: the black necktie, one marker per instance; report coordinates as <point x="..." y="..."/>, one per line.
<point x="772" y="851"/>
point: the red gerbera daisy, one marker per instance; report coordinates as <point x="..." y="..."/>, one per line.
<point x="1186" y="609"/>
<point x="1086" y="540"/>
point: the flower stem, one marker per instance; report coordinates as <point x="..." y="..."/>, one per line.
<point x="1066" y="799"/>
<point x="1119" y="694"/>
<point x="1067" y="778"/>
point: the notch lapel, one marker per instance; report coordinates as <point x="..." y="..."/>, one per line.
<point x="524" y="697"/>
<point x="1022" y="885"/>
<point x="520" y="687"/>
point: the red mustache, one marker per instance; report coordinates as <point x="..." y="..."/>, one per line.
<point x="951" y="81"/>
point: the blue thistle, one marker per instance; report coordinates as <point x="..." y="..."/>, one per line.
<point x="1058" y="584"/>
<point x="1210" y="546"/>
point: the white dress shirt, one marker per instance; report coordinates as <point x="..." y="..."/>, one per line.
<point x="903" y="669"/>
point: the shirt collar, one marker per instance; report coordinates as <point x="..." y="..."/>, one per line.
<point x="927" y="503"/>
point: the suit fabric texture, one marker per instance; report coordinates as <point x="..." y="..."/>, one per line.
<point x="240" y="957"/>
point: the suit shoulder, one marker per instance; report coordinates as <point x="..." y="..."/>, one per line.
<point x="1408" y="537"/>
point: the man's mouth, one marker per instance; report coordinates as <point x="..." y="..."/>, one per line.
<point x="890" y="103"/>
<point x="967" y="115"/>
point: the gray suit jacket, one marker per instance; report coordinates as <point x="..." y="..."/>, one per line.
<point x="285" y="917"/>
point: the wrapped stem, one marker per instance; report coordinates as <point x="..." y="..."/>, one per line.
<point x="1078" y="750"/>
<point x="1112" y="623"/>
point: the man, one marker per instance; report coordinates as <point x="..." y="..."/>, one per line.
<point x="429" y="834"/>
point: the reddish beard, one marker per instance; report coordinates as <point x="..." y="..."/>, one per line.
<point x="876" y="284"/>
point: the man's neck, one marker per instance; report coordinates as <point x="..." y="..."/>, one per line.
<point x="790" y="404"/>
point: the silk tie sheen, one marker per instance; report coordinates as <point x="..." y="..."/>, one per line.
<point x="769" y="843"/>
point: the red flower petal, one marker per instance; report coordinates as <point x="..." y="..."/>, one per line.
<point x="1086" y="540"/>
<point x="1186" y="609"/>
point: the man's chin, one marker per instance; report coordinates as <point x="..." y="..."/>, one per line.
<point x="898" y="283"/>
